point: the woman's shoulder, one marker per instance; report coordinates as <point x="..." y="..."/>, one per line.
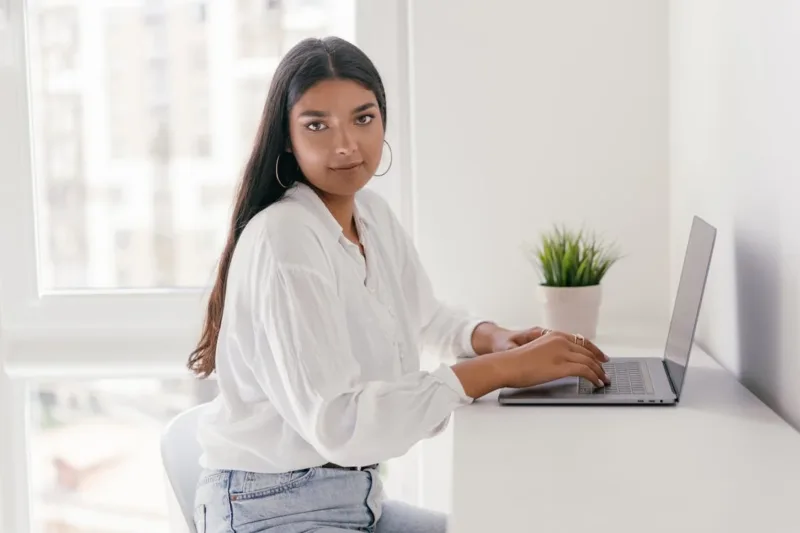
<point x="288" y="231"/>
<point x="375" y="208"/>
<point x="288" y="211"/>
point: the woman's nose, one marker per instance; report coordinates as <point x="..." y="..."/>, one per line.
<point x="345" y="142"/>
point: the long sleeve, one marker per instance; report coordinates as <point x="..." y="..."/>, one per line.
<point x="314" y="382"/>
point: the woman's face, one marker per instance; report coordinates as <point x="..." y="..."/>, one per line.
<point x="336" y="131"/>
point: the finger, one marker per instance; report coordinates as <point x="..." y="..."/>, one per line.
<point x="589" y="361"/>
<point x="597" y="367"/>
<point x="583" y="371"/>
<point x="577" y="348"/>
<point x="529" y="335"/>
<point x="597" y="352"/>
<point x="586" y="346"/>
<point x="507" y="345"/>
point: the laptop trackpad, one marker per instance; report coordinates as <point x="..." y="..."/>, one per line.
<point x="557" y="388"/>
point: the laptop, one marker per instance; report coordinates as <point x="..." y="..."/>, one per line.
<point x="647" y="380"/>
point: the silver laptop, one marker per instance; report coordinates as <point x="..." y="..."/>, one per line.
<point x="648" y="380"/>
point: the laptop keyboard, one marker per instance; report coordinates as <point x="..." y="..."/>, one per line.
<point x="626" y="378"/>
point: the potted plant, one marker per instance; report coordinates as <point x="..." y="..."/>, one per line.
<point x="572" y="265"/>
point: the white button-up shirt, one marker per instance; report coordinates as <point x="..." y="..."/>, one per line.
<point x="318" y="358"/>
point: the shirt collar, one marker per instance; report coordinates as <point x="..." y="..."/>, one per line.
<point x="306" y="195"/>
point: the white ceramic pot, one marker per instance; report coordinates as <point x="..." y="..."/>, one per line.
<point x="572" y="309"/>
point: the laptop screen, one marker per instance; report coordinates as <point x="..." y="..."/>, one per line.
<point x="686" y="309"/>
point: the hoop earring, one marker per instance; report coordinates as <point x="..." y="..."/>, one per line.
<point x="391" y="159"/>
<point x="277" y="176"/>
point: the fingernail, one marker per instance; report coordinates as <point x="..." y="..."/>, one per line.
<point x="600" y="384"/>
<point x="607" y="377"/>
<point x="605" y="358"/>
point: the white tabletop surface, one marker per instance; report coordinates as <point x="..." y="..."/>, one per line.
<point x="719" y="461"/>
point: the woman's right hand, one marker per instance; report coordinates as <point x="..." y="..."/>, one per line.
<point x="550" y="357"/>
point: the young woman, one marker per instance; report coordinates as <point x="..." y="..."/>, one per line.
<point x="317" y="317"/>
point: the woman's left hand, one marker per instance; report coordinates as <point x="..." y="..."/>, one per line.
<point x="490" y="338"/>
<point x="501" y="339"/>
<point x="507" y="339"/>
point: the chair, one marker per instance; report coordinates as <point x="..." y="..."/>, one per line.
<point x="180" y="453"/>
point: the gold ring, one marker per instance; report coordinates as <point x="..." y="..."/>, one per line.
<point x="578" y="337"/>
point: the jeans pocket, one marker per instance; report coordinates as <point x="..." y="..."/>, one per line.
<point x="255" y="485"/>
<point x="262" y="501"/>
<point x="200" y="518"/>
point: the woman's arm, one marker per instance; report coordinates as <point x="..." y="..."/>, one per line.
<point x="488" y="337"/>
<point x="306" y="366"/>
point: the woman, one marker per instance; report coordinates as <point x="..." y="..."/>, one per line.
<point x="314" y="323"/>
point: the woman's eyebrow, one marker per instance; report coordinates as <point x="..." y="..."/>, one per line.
<point x="322" y="114"/>
<point x="363" y="107"/>
<point x="314" y="114"/>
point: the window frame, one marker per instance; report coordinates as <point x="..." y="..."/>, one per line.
<point x="126" y="332"/>
<point x="39" y="328"/>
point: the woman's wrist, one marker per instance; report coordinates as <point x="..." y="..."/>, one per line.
<point x="487" y="336"/>
<point x="483" y="375"/>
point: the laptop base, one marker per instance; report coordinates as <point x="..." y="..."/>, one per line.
<point x="566" y="391"/>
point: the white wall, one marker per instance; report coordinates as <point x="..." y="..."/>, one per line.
<point x="530" y="113"/>
<point x="735" y="159"/>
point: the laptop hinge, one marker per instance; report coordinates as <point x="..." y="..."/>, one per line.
<point x="669" y="379"/>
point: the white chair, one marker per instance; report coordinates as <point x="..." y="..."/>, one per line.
<point x="180" y="453"/>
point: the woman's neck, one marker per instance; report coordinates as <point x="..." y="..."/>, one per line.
<point x="342" y="208"/>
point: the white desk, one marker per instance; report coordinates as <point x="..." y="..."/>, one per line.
<point x="719" y="461"/>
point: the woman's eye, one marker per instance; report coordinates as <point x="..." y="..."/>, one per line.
<point x="316" y="126"/>
<point x="364" y="119"/>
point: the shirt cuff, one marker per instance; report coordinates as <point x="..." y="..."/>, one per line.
<point x="446" y="375"/>
<point x="466" y="347"/>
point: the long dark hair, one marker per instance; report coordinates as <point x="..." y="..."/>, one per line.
<point x="307" y="63"/>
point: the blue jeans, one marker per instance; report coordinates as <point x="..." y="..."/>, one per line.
<point x="322" y="500"/>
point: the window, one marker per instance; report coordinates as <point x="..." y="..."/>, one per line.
<point x="260" y="30"/>
<point x="202" y="146"/>
<point x="199" y="57"/>
<point x="61" y="160"/>
<point x="95" y="458"/>
<point x="251" y="97"/>
<point x="123" y="241"/>
<point x="200" y="12"/>
<point x="161" y="75"/>
<point x="95" y="461"/>
<point x="101" y="289"/>
<point x="214" y="196"/>
<point x="59" y="42"/>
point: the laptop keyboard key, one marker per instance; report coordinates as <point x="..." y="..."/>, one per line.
<point x="626" y="378"/>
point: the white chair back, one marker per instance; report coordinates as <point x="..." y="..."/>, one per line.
<point x="180" y="453"/>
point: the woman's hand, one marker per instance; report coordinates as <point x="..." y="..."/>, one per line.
<point x="488" y="337"/>
<point x="508" y="339"/>
<point x="549" y="356"/>
<point x="504" y="339"/>
<point x="553" y="356"/>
